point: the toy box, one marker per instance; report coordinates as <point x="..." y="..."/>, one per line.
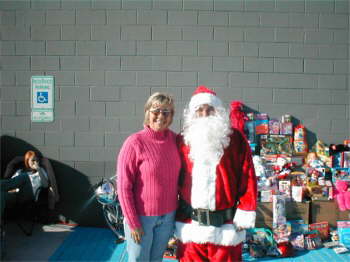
<point x="276" y="145"/>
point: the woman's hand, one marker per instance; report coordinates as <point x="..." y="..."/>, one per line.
<point x="137" y="234"/>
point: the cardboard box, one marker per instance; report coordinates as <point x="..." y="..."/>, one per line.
<point x="327" y="211"/>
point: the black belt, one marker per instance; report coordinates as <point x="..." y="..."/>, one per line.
<point x="206" y="217"/>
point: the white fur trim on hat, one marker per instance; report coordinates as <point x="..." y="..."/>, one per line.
<point x="204" y="98"/>
<point x="244" y="219"/>
<point x="226" y="235"/>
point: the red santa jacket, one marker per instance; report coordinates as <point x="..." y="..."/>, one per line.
<point x="233" y="181"/>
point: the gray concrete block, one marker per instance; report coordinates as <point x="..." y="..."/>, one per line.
<point x="89" y="78"/>
<point x="7" y="78"/>
<point x="339" y="97"/>
<point x="258" y="95"/>
<point x="105" y="32"/>
<point x="88" y="139"/>
<point x="228" y="64"/>
<point x="341" y="7"/>
<point x="273" y="19"/>
<point x="165" y="32"/>
<point x="319" y="37"/>
<point x="45" y="32"/>
<point x="104" y="154"/>
<point x="23" y="108"/>
<point x="72" y="123"/>
<point x="259" y="34"/>
<point x="23" y="77"/>
<point x="91" y="169"/>
<point x="121" y="17"/>
<point x="151" y="47"/>
<point x="51" y="152"/>
<point x="31" y="137"/>
<point x="120" y="108"/>
<point x="60" y="17"/>
<point x="137" y="4"/>
<point x="105" y="62"/>
<point x="134" y="94"/>
<point x="90" y="109"/>
<point x="136" y="32"/>
<point x="290" y="6"/>
<point x="167" y="4"/>
<point x="91" y="47"/>
<point x="45" y="63"/>
<point x="30" y="48"/>
<point x="117" y="78"/>
<point x="332" y="112"/>
<point x="198" y="5"/>
<point x="25" y="17"/>
<point x="62" y="78"/>
<point x="228" y="33"/>
<point x="290" y="35"/>
<point x="59" y="138"/>
<point x="184" y="48"/>
<point x="182" y="78"/>
<point x="228" y="94"/>
<point x="212" y="18"/>
<point x="339" y="126"/>
<point x="300" y="112"/>
<point x="175" y="92"/>
<point x="76" y="32"/>
<point x="14" y="63"/>
<point x="198" y="33"/>
<point x="243" y="49"/>
<point x="306" y="20"/>
<point x="46" y="127"/>
<point x="332" y="82"/>
<point x="151" y="63"/>
<point x="7" y="108"/>
<point x="91" y="17"/>
<point x="79" y="63"/>
<point x="151" y="78"/>
<point x="14" y="5"/>
<point x="341" y="36"/>
<point x="227" y="5"/>
<point x="261" y="6"/>
<point x="303" y="51"/>
<point x="273" y="50"/>
<point x="273" y="80"/>
<point x="319" y="6"/>
<point x="155" y="17"/>
<point x="74" y="93"/>
<point x="131" y="124"/>
<point x="333" y="51"/>
<point x="11" y="32"/>
<point x="213" y="79"/>
<point x="182" y="17"/>
<point x="15" y="123"/>
<point x="341" y="66"/>
<point x="99" y="124"/>
<point x="287" y="96"/>
<point x="258" y="64"/>
<point x="121" y="47"/>
<point x="239" y="80"/>
<point x="244" y="19"/>
<point x="44" y="4"/>
<point x="301" y="81"/>
<point x="60" y="48"/>
<point x="318" y="97"/>
<point x="197" y="63"/>
<point x="318" y="66"/>
<point x="334" y="21"/>
<point x="288" y="65"/>
<point x="107" y="4"/>
<point x="104" y="94"/>
<point x="116" y="139"/>
<point x="64" y="108"/>
<point x="8" y="48"/>
<point x="213" y="48"/>
<point x="74" y="154"/>
<point x="8" y="17"/>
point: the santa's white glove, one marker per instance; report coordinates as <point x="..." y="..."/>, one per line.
<point x="244" y="219"/>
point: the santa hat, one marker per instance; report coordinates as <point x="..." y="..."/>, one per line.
<point x="204" y="95"/>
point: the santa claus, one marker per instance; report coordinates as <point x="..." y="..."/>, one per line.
<point x="219" y="188"/>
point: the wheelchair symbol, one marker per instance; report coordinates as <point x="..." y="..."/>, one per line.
<point x="42" y="97"/>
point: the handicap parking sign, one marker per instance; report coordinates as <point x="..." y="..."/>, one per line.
<point x="42" y="97"/>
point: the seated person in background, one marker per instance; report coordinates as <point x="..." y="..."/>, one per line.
<point x="26" y="182"/>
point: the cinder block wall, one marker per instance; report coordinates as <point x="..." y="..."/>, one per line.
<point x="108" y="56"/>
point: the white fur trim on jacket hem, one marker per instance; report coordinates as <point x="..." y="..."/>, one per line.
<point x="245" y="219"/>
<point x="226" y="235"/>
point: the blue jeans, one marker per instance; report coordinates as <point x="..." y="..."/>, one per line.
<point x="158" y="230"/>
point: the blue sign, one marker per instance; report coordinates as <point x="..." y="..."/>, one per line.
<point x="42" y="97"/>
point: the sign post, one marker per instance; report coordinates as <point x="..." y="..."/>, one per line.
<point x="42" y="98"/>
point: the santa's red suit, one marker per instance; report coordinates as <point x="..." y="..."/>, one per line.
<point x="229" y="184"/>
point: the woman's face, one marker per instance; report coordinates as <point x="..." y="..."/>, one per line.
<point x="160" y="117"/>
<point x="33" y="162"/>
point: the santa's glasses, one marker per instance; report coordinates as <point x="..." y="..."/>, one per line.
<point x="158" y="111"/>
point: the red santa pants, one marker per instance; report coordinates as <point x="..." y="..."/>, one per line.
<point x="193" y="252"/>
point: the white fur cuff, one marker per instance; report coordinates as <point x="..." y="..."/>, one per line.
<point x="244" y="219"/>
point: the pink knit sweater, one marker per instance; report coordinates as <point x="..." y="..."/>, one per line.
<point x="148" y="167"/>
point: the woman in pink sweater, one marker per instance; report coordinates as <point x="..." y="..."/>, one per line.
<point x="148" y="167"/>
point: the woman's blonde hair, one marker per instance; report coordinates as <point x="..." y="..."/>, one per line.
<point x="158" y="99"/>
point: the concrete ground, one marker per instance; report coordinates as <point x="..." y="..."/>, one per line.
<point x="37" y="247"/>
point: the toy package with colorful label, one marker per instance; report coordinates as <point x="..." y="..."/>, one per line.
<point x="300" y="143"/>
<point x="344" y="232"/>
<point x="262" y="124"/>
<point x="276" y="145"/>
